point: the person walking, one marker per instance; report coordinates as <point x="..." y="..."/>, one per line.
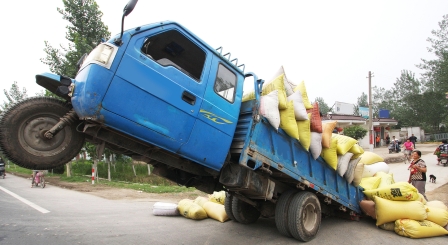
<point x="417" y="175"/>
<point x="413" y="139"/>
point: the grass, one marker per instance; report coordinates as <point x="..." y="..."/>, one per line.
<point x="142" y="182"/>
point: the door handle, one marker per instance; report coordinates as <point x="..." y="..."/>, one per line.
<point x="189" y="98"/>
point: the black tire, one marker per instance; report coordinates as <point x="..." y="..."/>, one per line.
<point x="244" y="212"/>
<point x="304" y="216"/>
<point x="228" y="206"/>
<point x="281" y="212"/>
<point x="21" y="134"/>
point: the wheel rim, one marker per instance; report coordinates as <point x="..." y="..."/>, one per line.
<point x="309" y="217"/>
<point x="32" y="139"/>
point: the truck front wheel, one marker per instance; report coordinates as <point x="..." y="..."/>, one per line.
<point x="22" y="129"/>
<point x="304" y="216"/>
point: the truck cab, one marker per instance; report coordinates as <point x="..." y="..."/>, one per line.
<point x="164" y="86"/>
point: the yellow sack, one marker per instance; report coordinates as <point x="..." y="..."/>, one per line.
<point x="329" y="154"/>
<point x="303" y="128"/>
<point x="357" y="151"/>
<point x="200" y="201"/>
<point x="436" y="204"/>
<point x="390" y="226"/>
<point x="400" y="191"/>
<point x="288" y="121"/>
<point x="327" y="131"/>
<point x="218" y="197"/>
<point x="216" y="211"/>
<point x="369" y="183"/>
<point x="369" y="157"/>
<point x="344" y="143"/>
<point x="359" y="169"/>
<point x="191" y="210"/>
<point x="276" y="84"/>
<point x="421" y="198"/>
<point x="388" y="211"/>
<point x="385" y="179"/>
<point x="437" y="215"/>
<point x="301" y="87"/>
<point x="418" y="229"/>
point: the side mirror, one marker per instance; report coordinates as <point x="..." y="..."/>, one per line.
<point x="127" y="10"/>
<point x="129" y="7"/>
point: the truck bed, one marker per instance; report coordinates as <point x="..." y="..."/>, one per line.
<point x="263" y="149"/>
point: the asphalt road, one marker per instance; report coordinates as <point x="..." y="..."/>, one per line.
<point x="59" y="216"/>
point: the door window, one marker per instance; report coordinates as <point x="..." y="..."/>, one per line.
<point x="171" y="48"/>
<point x="225" y="83"/>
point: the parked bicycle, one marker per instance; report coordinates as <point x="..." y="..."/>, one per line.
<point x="38" y="179"/>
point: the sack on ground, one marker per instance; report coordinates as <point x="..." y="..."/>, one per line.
<point x="165" y="209"/>
<point x="216" y="211"/>
<point x="201" y="200"/>
<point x="191" y="210"/>
<point x="437" y="215"/>
<point x="368" y="207"/>
<point x="436" y="204"/>
<point x="388" y="211"/>
<point x="418" y="229"/>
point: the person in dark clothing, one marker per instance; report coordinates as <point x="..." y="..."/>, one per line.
<point x="413" y="139"/>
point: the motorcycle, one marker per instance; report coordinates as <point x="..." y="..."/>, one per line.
<point x="38" y="179"/>
<point x="394" y="147"/>
<point x="443" y="158"/>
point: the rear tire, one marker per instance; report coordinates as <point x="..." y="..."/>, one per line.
<point x="244" y="212"/>
<point x="21" y="134"/>
<point x="281" y="212"/>
<point x="228" y="206"/>
<point x="304" y="216"/>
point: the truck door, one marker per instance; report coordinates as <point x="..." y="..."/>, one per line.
<point x="214" y="129"/>
<point x="158" y="87"/>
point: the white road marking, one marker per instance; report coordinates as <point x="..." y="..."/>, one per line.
<point x="38" y="208"/>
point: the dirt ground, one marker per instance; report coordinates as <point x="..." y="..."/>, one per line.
<point x="440" y="194"/>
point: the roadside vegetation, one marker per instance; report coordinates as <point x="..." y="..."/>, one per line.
<point x="122" y="176"/>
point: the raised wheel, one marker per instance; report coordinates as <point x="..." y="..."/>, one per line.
<point x="228" y="206"/>
<point x="281" y="212"/>
<point x="244" y="212"/>
<point x="304" y="216"/>
<point x="22" y="129"/>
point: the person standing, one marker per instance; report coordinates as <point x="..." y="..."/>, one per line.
<point x="378" y="139"/>
<point x="387" y="139"/>
<point x="417" y="176"/>
<point x="413" y="139"/>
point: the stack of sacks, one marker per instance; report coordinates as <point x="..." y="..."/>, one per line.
<point x="214" y="206"/>
<point x="399" y="207"/>
<point x="342" y="153"/>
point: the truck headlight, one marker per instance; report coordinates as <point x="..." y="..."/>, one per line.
<point x="102" y="55"/>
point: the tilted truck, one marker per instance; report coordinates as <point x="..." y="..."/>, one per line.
<point x="159" y="94"/>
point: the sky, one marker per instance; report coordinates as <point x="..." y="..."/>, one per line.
<point x="330" y="45"/>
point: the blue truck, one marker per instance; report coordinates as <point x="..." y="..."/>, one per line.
<point x="159" y="94"/>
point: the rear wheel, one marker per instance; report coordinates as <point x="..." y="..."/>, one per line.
<point x="228" y="206"/>
<point x="22" y="130"/>
<point x="42" y="182"/>
<point x="281" y="212"/>
<point x="304" y="216"/>
<point x="244" y="212"/>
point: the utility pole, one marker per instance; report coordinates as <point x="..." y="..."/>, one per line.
<point x="371" y="137"/>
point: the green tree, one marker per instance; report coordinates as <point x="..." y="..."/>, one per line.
<point x="356" y="132"/>
<point x="323" y="107"/>
<point x="13" y="96"/>
<point x="361" y="102"/>
<point x="84" y="32"/>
